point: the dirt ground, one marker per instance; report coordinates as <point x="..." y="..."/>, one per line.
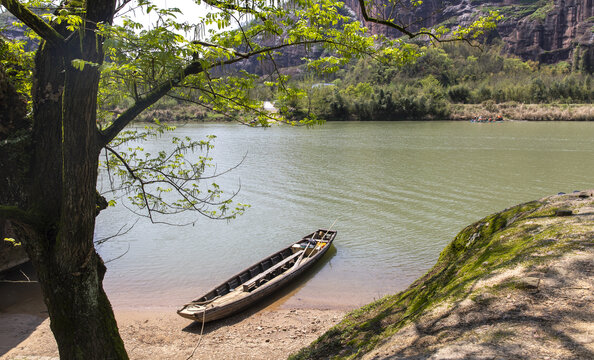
<point x="266" y="334"/>
<point x="545" y="312"/>
<point x="552" y="318"/>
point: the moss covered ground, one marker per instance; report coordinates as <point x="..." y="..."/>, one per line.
<point x="527" y="235"/>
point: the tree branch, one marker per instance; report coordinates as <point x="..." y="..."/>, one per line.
<point x="143" y="103"/>
<point x="402" y="29"/>
<point x="161" y="90"/>
<point x="131" y="171"/>
<point x="34" y="22"/>
<point x="233" y="51"/>
<point x="383" y="22"/>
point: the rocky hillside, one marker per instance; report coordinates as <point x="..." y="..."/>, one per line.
<point x="547" y="31"/>
<point x="515" y="285"/>
<point x="542" y="30"/>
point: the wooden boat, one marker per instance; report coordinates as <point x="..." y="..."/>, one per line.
<point x="260" y="279"/>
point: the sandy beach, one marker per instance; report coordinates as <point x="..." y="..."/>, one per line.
<point x="266" y="331"/>
<point x="158" y="335"/>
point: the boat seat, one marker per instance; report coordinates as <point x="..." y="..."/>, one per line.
<point x="266" y="265"/>
<point x="254" y="271"/>
<point x="275" y="259"/>
<point x="254" y="281"/>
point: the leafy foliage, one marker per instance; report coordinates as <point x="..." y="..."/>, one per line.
<point x="440" y="76"/>
<point x="18" y="64"/>
<point x="168" y="182"/>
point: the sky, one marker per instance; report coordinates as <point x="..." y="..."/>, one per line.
<point x="190" y="11"/>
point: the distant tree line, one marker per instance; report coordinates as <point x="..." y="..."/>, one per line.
<point x="440" y="77"/>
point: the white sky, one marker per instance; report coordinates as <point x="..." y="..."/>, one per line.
<point x="190" y="11"/>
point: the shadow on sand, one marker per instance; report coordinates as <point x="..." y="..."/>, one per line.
<point x="21" y="306"/>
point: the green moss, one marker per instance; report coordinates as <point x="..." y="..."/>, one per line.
<point x="503" y="240"/>
<point x="499" y="335"/>
<point x="541" y="13"/>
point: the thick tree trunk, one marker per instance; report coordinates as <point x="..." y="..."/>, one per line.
<point x="81" y="316"/>
<point x="65" y="150"/>
<point x="58" y="184"/>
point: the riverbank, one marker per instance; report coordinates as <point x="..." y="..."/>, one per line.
<point x="190" y="113"/>
<point x="265" y="331"/>
<point x="525" y="112"/>
<point x="515" y="285"/>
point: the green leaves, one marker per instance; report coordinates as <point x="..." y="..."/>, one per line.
<point x="13" y="241"/>
<point x="170" y="181"/>
<point x="479" y="27"/>
<point x="18" y="64"/>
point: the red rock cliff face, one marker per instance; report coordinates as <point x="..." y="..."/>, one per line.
<point x="532" y="29"/>
<point x="555" y="37"/>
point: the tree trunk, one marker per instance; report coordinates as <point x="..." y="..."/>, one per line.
<point x="53" y="172"/>
<point x="81" y="316"/>
<point x="63" y="173"/>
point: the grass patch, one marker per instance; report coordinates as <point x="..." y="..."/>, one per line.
<point x="531" y="112"/>
<point x="541" y="13"/>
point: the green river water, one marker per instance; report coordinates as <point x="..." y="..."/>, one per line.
<point x="400" y="191"/>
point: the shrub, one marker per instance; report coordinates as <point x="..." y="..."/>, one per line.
<point x="459" y="94"/>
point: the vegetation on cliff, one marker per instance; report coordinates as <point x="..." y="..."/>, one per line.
<point x="453" y="81"/>
<point x="441" y="84"/>
<point x="507" y="255"/>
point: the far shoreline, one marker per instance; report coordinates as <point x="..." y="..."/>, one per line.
<point x="510" y="111"/>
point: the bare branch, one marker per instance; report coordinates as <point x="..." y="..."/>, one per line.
<point x="118" y="233"/>
<point x="119" y="256"/>
<point x="210" y="108"/>
<point x="121" y="5"/>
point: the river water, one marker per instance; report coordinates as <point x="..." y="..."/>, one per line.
<point x="399" y="192"/>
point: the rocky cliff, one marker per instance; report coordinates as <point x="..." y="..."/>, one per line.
<point x="547" y="31"/>
<point x="561" y="30"/>
<point x="542" y="30"/>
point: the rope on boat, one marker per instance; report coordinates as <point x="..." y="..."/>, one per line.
<point x="200" y="336"/>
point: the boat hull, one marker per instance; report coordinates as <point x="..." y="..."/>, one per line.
<point x="239" y="299"/>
